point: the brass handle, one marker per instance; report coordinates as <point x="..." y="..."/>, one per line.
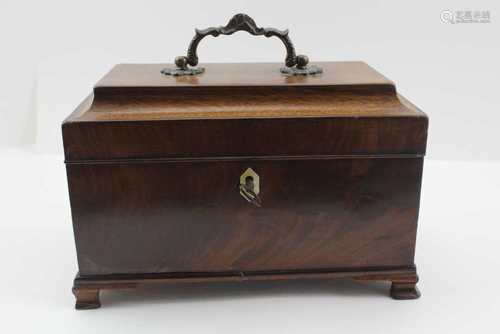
<point x="242" y="22"/>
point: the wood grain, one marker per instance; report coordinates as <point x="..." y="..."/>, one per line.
<point x="189" y="216"/>
<point x="350" y="110"/>
<point x="153" y="166"/>
<point x="139" y="77"/>
<point x="86" y="288"/>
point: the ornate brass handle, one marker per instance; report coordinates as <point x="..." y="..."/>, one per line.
<point x="242" y="22"/>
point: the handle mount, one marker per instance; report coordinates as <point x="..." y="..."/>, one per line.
<point x="241" y="22"/>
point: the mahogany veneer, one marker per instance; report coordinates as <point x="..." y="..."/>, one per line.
<point x="154" y="164"/>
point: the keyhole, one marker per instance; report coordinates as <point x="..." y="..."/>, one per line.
<point x="249" y="184"/>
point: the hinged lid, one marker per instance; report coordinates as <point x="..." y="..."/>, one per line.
<point x="142" y="79"/>
<point x="243" y="110"/>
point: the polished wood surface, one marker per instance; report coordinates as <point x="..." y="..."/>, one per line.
<point x="244" y="138"/>
<point x="153" y="167"/>
<point x="87" y="289"/>
<point x="342" y="112"/>
<point x="139" y="77"/>
<point x="265" y="104"/>
<point x="190" y="216"/>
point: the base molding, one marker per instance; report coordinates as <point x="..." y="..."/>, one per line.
<point x="87" y="288"/>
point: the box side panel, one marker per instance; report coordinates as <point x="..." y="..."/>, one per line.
<point x="172" y="216"/>
<point x="244" y="137"/>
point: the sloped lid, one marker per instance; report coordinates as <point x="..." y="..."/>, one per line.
<point x="137" y="112"/>
<point x="144" y="78"/>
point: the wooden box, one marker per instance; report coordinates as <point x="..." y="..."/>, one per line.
<point x="243" y="173"/>
<point x="155" y="165"/>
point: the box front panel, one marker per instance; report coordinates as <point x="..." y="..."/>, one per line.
<point x="194" y="216"/>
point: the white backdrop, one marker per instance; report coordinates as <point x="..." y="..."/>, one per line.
<point x="53" y="51"/>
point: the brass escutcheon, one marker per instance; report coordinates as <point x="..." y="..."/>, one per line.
<point x="250" y="187"/>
